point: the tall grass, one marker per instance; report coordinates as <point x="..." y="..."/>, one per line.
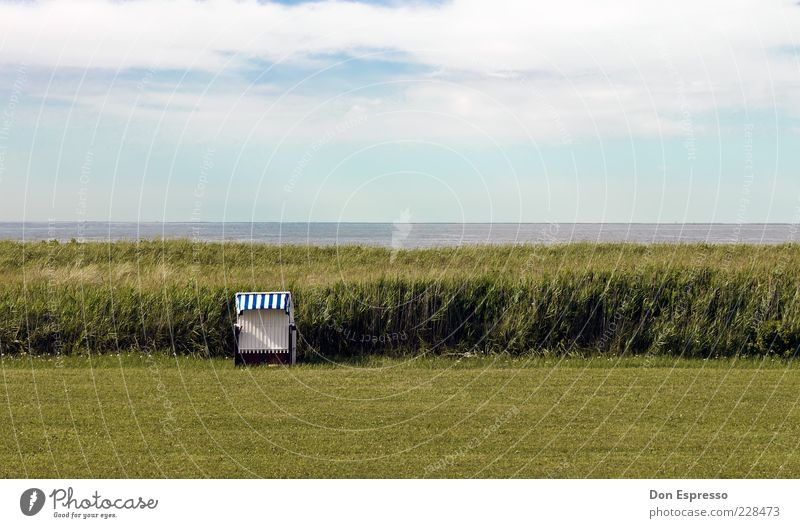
<point x="682" y="300"/>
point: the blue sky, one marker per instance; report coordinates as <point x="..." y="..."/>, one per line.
<point x="356" y="111"/>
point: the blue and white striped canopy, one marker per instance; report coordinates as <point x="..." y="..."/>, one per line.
<point x="262" y="301"/>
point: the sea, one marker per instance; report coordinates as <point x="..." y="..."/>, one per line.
<point x="403" y="235"/>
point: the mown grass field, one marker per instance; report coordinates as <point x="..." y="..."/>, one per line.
<point x="134" y="416"/>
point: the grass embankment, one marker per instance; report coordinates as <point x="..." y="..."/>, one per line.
<point x="500" y="416"/>
<point x="680" y="300"/>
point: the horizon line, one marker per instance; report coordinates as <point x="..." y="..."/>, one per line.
<point x="48" y="222"/>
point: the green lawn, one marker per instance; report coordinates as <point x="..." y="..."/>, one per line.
<point x="133" y="416"/>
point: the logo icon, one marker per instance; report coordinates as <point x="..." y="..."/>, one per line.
<point x="31" y="501"/>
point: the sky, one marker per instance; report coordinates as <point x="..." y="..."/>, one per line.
<point x="445" y="111"/>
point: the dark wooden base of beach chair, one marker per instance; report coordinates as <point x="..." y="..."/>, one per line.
<point x="250" y="358"/>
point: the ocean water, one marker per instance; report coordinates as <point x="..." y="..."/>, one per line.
<point x="404" y="235"/>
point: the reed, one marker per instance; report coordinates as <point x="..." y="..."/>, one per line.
<point x="620" y="299"/>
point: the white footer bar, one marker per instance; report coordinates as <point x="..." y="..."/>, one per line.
<point x="401" y="503"/>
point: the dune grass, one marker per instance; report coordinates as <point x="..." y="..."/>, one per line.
<point x="149" y="263"/>
<point x="613" y="299"/>
<point x="500" y="416"/>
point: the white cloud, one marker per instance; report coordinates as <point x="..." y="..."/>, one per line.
<point x="553" y="70"/>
